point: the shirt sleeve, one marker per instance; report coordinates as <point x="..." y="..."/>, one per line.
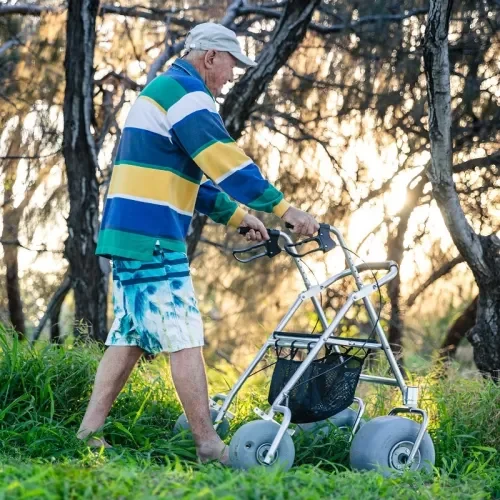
<point x="212" y="201"/>
<point x="195" y="124"/>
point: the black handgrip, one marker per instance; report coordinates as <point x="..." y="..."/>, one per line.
<point x="272" y="247"/>
<point x="323" y="238"/>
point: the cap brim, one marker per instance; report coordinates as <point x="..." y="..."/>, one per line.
<point x="242" y="60"/>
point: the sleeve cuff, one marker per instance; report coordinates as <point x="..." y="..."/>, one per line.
<point x="281" y="208"/>
<point x="237" y="218"/>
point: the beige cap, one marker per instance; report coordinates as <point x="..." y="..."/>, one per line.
<point x="211" y="36"/>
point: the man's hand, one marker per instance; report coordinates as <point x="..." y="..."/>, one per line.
<point x="257" y="232"/>
<point x="302" y="222"/>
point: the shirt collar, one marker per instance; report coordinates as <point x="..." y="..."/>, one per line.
<point x="187" y="67"/>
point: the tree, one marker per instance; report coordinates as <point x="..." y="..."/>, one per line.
<point x="481" y="252"/>
<point x="88" y="279"/>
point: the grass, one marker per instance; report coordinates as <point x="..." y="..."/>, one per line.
<point x="44" y="392"/>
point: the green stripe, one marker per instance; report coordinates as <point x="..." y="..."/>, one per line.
<point x="224" y="209"/>
<point x="165" y="91"/>
<point x="160" y="167"/>
<point x="267" y="200"/>
<point x="113" y="242"/>
<point x="229" y="140"/>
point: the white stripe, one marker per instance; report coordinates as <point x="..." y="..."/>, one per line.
<point x="231" y="172"/>
<point x="190" y="103"/>
<point x="148" y="200"/>
<point x="145" y="115"/>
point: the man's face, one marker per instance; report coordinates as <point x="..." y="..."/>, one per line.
<point x="219" y="70"/>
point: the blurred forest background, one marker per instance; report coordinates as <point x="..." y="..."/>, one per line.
<point x="336" y="115"/>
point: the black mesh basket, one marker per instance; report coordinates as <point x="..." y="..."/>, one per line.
<point x="324" y="389"/>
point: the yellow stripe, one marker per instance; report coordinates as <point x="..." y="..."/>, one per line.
<point x="281" y="208"/>
<point x="153" y="102"/>
<point x="155" y="185"/>
<point x="220" y="158"/>
<point x="237" y="218"/>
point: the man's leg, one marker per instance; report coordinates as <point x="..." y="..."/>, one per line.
<point x="112" y="373"/>
<point x="188" y="373"/>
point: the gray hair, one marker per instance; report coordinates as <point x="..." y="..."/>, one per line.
<point x="194" y="55"/>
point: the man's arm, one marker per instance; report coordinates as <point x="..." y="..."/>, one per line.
<point x="196" y="126"/>
<point x="217" y="205"/>
<point x="191" y="121"/>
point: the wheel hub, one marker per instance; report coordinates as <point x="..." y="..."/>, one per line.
<point x="399" y="455"/>
<point x="261" y="454"/>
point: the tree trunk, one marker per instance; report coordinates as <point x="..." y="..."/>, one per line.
<point x="88" y="280"/>
<point x="395" y="252"/>
<point x="10" y="235"/>
<point x="238" y="105"/>
<point x="55" y="302"/>
<point x="55" y="330"/>
<point x="458" y="330"/>
<point x="482" y="253"/>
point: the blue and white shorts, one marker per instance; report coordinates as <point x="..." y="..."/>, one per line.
<point x="154" y="304"/>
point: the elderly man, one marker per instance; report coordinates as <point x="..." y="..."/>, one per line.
<point x="175" y="156"/>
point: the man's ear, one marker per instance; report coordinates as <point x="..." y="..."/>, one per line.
<point x="209" y="58"/>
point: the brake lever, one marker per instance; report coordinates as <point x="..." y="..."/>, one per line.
<point x="271" y="245"/>
<point x="323" y="238"/>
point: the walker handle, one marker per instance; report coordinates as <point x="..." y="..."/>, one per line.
<point x="323" y="239"/>
<point x="271" y="246"/>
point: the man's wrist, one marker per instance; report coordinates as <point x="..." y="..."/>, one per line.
<point x="237" y="217"/>
<point x="281" y="208"/>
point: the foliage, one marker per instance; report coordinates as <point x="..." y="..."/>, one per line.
<point x="44" y="391"/>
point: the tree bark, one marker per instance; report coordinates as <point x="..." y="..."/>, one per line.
<point x="88" y="280"/>
<point x="482" y="253"/>
<point x="10" y="232"/>
<point x="238" y="105"/>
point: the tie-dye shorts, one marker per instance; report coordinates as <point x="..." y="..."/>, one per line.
<point x="154" y="304"/>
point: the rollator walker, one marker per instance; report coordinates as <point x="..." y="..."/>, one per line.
<point x="317" y="390"/>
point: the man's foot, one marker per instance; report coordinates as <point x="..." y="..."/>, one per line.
<point x="214" y="451"/>
<point x="96" y="442"/>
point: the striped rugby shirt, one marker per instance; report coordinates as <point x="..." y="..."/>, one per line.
<point x="176" y="156"/>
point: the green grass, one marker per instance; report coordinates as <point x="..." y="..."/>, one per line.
<point x="44" y="392"/>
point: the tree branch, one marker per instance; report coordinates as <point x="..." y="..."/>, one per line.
<point x="323" y="29"/>
<point x="446" y="268"/>
<point x="56" y="299"/>
<point x="13" y="42"/>
<point x="36" y="157"/>
<point x="17" y="243"/>
<point x="28" y="9"/>
<point x="154" y="14"/>
<point x="485" y="161"/>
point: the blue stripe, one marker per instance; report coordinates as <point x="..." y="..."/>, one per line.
<point x="194" y="136"/>
<point x="147" y="148"/>
<point x="187" y="82"/>
<point x="249" y="177"/>
<point x="150" y="279"/>
<point x="144" y="218"/>
<point x="174" y="262"/>
<point x="207" y="195"/>
<point x="143" y="267"/>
